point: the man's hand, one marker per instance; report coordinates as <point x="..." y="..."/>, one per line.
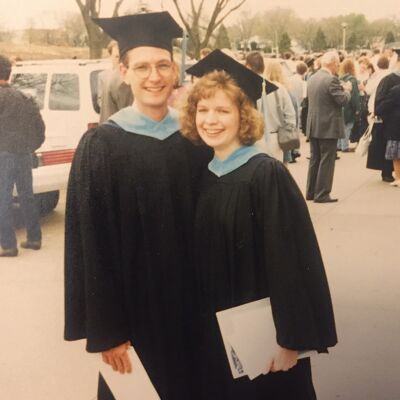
<point x="347" y="86"/>
<point x="283" y="360"/>
<point x="118" y="358"/>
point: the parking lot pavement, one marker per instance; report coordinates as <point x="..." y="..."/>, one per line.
<point x="358" y="237"/>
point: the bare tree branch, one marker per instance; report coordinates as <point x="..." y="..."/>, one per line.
<point x="96" y="37"/>
<point x="117" y="6"/>
<point x="184" y="21"/>
<point x="92" y="8"/>
<point x="193" y="7"/>
<point x="228" y="13"/>
<point x="193" y="24"/>
<point x="201" y="7"/>
<point x="211" y="25"/>
<point x="81" y="6"/>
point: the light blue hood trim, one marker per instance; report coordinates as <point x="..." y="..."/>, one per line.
<point x="238" y="158"/>
<point x="133" y="121"/>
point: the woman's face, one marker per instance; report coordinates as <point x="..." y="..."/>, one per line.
<point x="363" y="67"/>
<point x="218" y="123"/>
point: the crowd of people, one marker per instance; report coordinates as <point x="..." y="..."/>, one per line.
<point x="364" y="107"/>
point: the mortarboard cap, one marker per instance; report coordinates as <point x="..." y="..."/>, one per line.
<point x="149" y="29"/>
<point x="309" y="61"/>
<point x="250" y="82"/>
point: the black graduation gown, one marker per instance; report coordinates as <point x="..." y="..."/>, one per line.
<point x="387" y="105"/>
<point x="380" y="135"/>
<point x="128" y="268"/>
<point x="376" y="152"/>
<point x="254" y="239"/>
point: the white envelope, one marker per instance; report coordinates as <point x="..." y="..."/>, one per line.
<point x="136" y="385"/>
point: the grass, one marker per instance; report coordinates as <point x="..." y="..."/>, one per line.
<point x="39" y="52"/>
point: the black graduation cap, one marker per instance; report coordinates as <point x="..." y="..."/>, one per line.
<point x="149" y="29"/>
<point x="309" y="61"/>
<point x="250" y="82"/>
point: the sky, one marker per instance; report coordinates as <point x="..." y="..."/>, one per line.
<point x="19" y="14"/>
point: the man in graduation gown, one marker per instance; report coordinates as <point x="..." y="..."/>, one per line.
<point x="129" y="213"/>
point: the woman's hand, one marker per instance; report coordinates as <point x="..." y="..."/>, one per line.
<point x="118" y="358"/>
<point x="283" y="360"/>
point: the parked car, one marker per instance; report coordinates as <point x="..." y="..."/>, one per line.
<point x="66" y="92"/>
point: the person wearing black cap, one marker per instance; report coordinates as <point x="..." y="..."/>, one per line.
<point x="253" y="239"/>
<point x="129" y="215"/>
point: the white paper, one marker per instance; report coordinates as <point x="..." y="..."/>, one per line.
<point x="250" y="330"/>
<point x="227" y="329"/>
<point x="136" y="385"/>
<point x="254" y="339"/>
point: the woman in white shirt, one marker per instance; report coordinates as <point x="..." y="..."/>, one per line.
<point x="270" y="104"/>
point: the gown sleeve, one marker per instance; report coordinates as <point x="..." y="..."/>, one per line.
<point x="297" y="283"/>
<point x="94" y="306"/>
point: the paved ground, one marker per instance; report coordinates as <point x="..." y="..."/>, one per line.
<point x="358" y="235"/>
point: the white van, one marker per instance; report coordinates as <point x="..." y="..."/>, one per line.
<point x="66" y="92"/>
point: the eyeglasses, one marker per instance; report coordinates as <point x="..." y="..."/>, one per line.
<point x="144" y="70"/>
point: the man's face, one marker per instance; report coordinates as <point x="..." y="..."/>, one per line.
<point x="151" y="73"/>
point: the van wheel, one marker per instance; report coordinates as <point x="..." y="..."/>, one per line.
<point x="45" y="203"/>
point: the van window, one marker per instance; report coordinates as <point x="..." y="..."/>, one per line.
<point x="64" y="92"/>
<point x="94" y="88"/>
<point x="33" y="85"/>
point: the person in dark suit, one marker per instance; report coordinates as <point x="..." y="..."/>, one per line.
<point x="325" y="125"/>
<point x="114" y="94"/>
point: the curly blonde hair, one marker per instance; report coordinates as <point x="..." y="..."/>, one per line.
<point x="251" y="126"/>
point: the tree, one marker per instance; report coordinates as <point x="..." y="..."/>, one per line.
<point x="389" y="37"/>
<point x="307" y="33"/>
<point x="193" y="21"/>
<point x="243" y="30"/>
<point x="97" y="39"/>
<point x="75" y="29"/>
<point x="285" y="43"/>
<point x="353" y="42"/>
<point x="222" y="41"/>
<point x="319" y="42"/>
<point x="274" y="23"/>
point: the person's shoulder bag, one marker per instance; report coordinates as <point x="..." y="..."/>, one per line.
<point x="288" y="135"/>
<point x="365" y="141"/>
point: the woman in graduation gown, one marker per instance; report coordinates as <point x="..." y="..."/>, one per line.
<point x="254" y="239"/>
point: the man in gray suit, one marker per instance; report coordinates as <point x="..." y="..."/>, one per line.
<point x="325" y="125"/>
